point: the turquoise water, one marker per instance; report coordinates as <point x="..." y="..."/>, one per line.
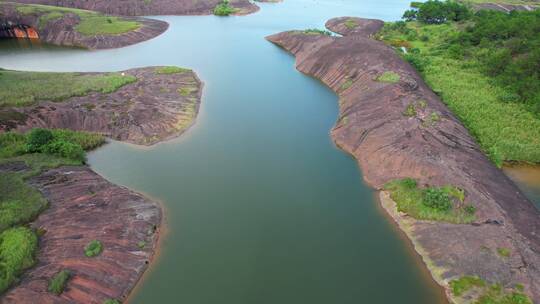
<point x="261" y="207"/>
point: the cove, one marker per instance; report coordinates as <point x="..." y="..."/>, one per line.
<point x="260" y="206"/>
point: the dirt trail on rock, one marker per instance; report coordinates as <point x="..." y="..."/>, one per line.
<point x="389" y="143"/>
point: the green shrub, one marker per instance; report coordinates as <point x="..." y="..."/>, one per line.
<point x="94" y="248"/>
<point x="37" y="138"/>
<point x="17" y="249"/>
<point x="12" y="144"/>
<point x="58" y="282"/>
<point x="111" y="301"/>
<point x="437" y="198"/>
<point x="65" y="149"/>
<point x="224" y="9"/>
<point x="87" y="141"/>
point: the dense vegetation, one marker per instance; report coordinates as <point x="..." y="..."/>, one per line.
<point x="224" y="8"/>
<point x="485" y="66"/>
<point x="91" y="23"/>
<point x="433" y="203"/>
<point x="20" y="204"/>
<point x="19" y="88"/>
<point x="484" y="293"/>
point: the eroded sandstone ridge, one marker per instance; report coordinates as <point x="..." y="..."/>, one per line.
<point x="59" y="26"/>
<point x="84" y="207"/>
<point x="396" y="127"/>
<point x="150" y="7"/>
<point x="158" y="105"/>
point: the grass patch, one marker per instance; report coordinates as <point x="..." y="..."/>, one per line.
<point x="91" y="23"/>
<point x="486" y="293"/>
<point x="19" y="203"/>
<point x="27" y="88"/>
<point x="17" y="249"/>
<point x="58" y="282"/>
<point x="389" y="76"/>
<point x="186" y="91"/>
<point x="506" y="130"/>
<point x="171" y="70"/>
<point x="504" y="252"/>
<point x="141" y="244"/>
<point x="351" y="24"/>
<point x="94" y="248"/>
<point x="347" y="84"/>
<point x="446" y="204"/>
<point x="105" y="25"/>
<point x="464" y="284"/>
<point x="111" y="301"/>
<point x="315" y="31"/>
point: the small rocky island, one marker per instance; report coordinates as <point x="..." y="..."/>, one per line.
<point x="75" y="27"/>
<point x="74" y="237"/>
<point x="407" y="141"/>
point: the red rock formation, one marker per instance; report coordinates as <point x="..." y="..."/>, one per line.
<point x="62" y="31"/>
<point x="144" y="112"/>
<point x="390" y="145"/>
<point x="84" y="207"/>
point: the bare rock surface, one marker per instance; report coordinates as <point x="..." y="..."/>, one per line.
<point x="374" y="127"/>
<point x="62" y="31"/>
<point x="150" y="7"/>
<point x="83" y="207"/>
<point x="153" y="108"/>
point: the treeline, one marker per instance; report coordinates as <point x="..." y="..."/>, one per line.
<point x="506" y="46"/>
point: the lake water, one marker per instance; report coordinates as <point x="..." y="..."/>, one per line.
<point x="260" y="206"/>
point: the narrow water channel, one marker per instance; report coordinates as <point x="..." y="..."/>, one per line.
<point x="260" y="206"/>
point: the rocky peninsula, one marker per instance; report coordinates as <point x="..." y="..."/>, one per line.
<point x="74" y="27"/>
<point x="398" y="128"/>
<point x="157" y="103"/>
<point x="73" y="205"/>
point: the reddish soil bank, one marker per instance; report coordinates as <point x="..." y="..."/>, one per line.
<point x="154" y="108"/>
<point x="150" y="7"/>
<point x="389" y="144"/>
<point x="62" y="31"/>
<point x="84" y="207"/>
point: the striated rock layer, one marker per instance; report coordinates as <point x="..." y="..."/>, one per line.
<point x="150" y="7"/>
<point x="389" y="144"/>
<point x="62" y="30"/>
<point x="153" y="108"/>
<point x="84" y="207"/>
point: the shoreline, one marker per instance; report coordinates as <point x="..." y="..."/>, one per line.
<point x="388" y="145"/>
<point x="81" y="195"/>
